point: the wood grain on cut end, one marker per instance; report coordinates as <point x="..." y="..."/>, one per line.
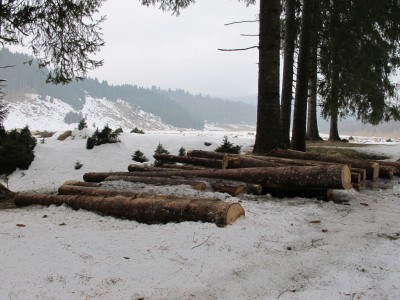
<point x="234" y="212"/>
<point x="346" y="177"/>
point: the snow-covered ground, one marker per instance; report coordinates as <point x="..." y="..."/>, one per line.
<point x="282" y="249"/>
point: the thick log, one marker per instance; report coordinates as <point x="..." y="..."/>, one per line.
<point x="205" y="154"/>
<point x="144" y="210"/>
<point x="290" y="162"/>
<point x="362" y="172"/>
<point x="206" y="162"/>
<point x="141" y="168"/>
<point x="183" y="167"/>
<point x="355" y="177"/>
<point x="371" y="167"/>
<point x="195" y="184"/>
<point x="329" y="177"/>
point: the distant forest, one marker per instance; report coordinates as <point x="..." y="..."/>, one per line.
<point x="176" y="107"/>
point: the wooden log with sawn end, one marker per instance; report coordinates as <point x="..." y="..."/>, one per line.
<point x="143" y="210"/>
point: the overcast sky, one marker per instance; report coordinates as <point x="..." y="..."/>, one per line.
<point x="145" y="46"/>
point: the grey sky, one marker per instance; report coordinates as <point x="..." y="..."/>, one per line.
<point x="146" y="46"/>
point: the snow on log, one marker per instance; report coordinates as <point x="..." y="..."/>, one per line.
<point x="371" y="167"/>
<point x="195" y="184"/>
<point x="205" y="162"/>
<point x="145" y="210"/>
<point x="329" y="176"/>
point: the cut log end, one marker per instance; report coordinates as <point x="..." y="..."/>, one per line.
<point x="346" y="177"/>
<point x="234" y="212"/>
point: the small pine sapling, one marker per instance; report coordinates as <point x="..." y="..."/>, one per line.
<point x="182" y="151"/>
<point x="228" y="147"/>
<point x="78" y="165"/>
<point x="139" y="157"/>
<point x="160" y="150"/>
<point x="82" y="124"/>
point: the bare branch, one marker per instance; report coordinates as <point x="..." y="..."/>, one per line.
<point x="6" y="67"/>
<point x="239" y="49"/>
<point x="239" y="22"/>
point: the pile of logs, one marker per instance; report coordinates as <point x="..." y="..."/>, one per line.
<point x="283" y="173"/>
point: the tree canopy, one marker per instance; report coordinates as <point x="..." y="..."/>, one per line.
<point x="62" y="34"/>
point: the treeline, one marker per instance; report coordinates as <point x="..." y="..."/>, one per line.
<point x="178" y="108"/>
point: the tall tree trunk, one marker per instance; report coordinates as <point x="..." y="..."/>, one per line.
<point x="300" y="104"/>
<point x="334" y="107"/>
<point x="312" y="123"/>
<point x="287" y="79"/>
<point x="268" y="132"/>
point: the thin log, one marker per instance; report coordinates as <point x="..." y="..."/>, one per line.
<point x="81" y="183"/>
<point x="141" y="168"/>
<point x="194" y="184"/>
<point x="362" y="172"/>
<point x="101" y="176"/>
<point x="205" y="154"/>
<point x="231" y="189"/>
<point x="236" y="161"/>
<point x="371" y="167"/>
<point x="290" y="162"/>
<point x="329" y="177"/>
<point x="355" y="177"/>
<point x="206" y="162"/>
<point x="386" y="172"/>
<point x="95" y="191"/>
<point x="144" y="210"/>
<point x="320" y="194"/>
<point x="394" y="164"/>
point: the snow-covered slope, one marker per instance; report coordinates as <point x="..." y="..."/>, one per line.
<point x="49" y="113"/>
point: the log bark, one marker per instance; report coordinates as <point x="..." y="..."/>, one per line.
<point x="141" y="168"/>
<point x="81" y="183"/>
<point x="291" y="162"/>
<point x="205" y="154"/>
<point x="101" y="176"/>
<point x="144" y="210"/>
<point x="195" y="184"/>
<point x="205" y="162"/>
<point x="329" y="177"/>
<point x="371" y="167"/>
<point x="229" y="188"/>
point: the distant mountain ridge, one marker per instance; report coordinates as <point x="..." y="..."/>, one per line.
<point x="177" y="109"/>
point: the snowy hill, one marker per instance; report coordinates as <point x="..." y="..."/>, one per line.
<point x="50" y="114"/>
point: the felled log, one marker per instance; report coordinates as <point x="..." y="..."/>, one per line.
<point x="241" y="161"/>
<point x="97" y="191"/>
<point x="206" y="162"/>
<point x="144" y="210"/>
<point x="141" y="168"/>
<point x="362" y="172"/>
<point x="229" y="188"/>
<point x="386" y="172"/>
<point x="394" y="164"/>
<point x="205" y="154"/>
<point x="81" y="183"/>
<point x="101" y="176"/>
<point x="330" y="177"/>
<point x="290" y="162"/>
<point x="195" y="184"/>
<point x="371" y="167"/>
<point x="320" y="194"/>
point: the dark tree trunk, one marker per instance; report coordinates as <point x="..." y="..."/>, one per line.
<point x="268" y="132"/>
<point x="287" y="80"/>
<point x="312" y="124"/>
<point x="300" y="104"/>
<point x="334" y="108"/>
